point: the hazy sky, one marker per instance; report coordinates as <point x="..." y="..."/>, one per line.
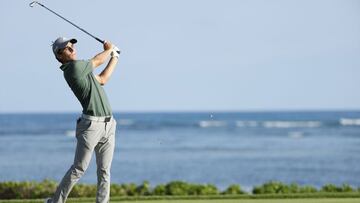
<point x="188" y="55"/>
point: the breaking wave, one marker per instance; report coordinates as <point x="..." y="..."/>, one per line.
<point x="350" y="121"/>
<point x="291" y="124"/>
<point x="207" y="124"/>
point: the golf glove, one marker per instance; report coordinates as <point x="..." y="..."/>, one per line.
<point x="115" y="52"/>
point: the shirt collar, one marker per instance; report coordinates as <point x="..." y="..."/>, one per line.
<point x="64" y="66"/>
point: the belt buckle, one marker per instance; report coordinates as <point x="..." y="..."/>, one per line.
<point x="107" y="119"/>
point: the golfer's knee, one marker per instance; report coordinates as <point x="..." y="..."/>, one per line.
<point x="103" y="173"/>
<point x="77" y="171"/>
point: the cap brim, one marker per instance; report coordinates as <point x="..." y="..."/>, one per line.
<point x="73" y="41"/>
<point x="63" y="45"/>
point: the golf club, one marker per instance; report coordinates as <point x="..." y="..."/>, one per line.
<point x="96" y="38"/>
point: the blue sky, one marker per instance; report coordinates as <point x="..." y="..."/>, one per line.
<point x="203" y="55"/>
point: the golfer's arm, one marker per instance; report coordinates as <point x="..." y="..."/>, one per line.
<point x="105" y="75"/>
<point x="100" y="58"/>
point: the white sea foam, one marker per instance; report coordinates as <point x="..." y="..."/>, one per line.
<point x="207" y="124"/>
<point x="125" y="122"/>
<point x="296" y="134"/>
<point x="70" y="133"/>
<point x="246" y="124"/>
<point x="291" y="124"/>
<point x="350" y="121"/>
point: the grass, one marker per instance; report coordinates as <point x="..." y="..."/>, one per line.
<point x="278" y="198"/>
<point x="346" y="200"/>
<point x="307" y="200"/>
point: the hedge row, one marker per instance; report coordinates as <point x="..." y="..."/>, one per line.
<point x="33" y="190"/>
<point x="275" y="187"/>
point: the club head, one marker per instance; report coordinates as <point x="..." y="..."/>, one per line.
<point x="33" y="3"/>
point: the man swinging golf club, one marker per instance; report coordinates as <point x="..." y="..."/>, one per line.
<point x="95" y="129"/>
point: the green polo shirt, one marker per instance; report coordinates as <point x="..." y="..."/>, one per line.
<point x="78" y="75"/>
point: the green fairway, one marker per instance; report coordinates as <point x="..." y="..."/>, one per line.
<point x="325" y="200"/>
<point x="306" y="200"/>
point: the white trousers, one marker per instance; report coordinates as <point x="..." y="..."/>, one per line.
<point x="91" y="135"/>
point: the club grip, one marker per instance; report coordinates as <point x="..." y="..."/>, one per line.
<point x="99" y="40"/>
<point x="103" y="42"/>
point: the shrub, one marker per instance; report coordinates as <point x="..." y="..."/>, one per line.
<point x="22" y="190"/>
<point x="209" y="189"/>
<point x="117" y="190"/>
<point x="274" y="187"/>
<point x="330" y="188"/>
<point x="42" y="189"/>
<point x="334" y="188"/>
<point x="308" y="189"/>
<point x="143" y="189"/>
<point x="271" y="187"/>
<point x="46" y="188"/>
<point x="233" y="190"/>
<point x="129" y="188"/>
<point x="177" y="188"/>
<point x="347" y="188"/>
<point x="197" y="189"/>
<point x="82" y="190"/>
<point x="159" y="190"/>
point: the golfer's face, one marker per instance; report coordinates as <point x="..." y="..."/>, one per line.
<point x="69" y="52"/>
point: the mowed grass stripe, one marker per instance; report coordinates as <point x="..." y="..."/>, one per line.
<point x="242" y="199"/>
<point x="307" y="200"/>
<point x="317" y="200"/>
<point x="268" y="198"/>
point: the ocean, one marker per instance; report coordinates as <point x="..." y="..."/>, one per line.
<point x="221" y="148"/>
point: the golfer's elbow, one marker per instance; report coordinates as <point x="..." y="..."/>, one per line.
<point x="102" y="81"/>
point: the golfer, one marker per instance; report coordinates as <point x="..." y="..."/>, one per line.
<point x="95" y="129"/>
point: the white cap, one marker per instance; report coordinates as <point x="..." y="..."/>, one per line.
<point x="61" y="43"/>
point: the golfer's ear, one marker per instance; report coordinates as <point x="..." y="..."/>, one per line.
<point x="58" y="58"/>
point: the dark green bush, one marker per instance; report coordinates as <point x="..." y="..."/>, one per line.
<point x="197" y="189"/>
<point x="46" y="188"/>
<point x="117" y="190"/>
<point x="159" y="190"/>
<point x="130" y="189"/>
<point x="143" y="189"/>
<point x="177" y="188"/>
<point x="308" y="189"/>
<point x="82" y="190"/>
<point x="274" y="187"/>
<point x="25" y="190"/>
<point x="347" y="188"/>
<point x="233" y="190"/>
<point x="334" y="188"/>
<point x="180" y="188"/>
<point x="209" y="189"/>
<point x="271" y="187"/>
<point x="330" y="188"/>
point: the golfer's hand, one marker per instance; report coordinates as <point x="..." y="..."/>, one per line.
<point x="108" y="45"/>
<point x="115" y="52"/>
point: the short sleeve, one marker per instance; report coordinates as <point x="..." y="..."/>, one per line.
<point x="82" y="68"/>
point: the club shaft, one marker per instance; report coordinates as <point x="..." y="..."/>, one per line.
<point x="96" y="38"/>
